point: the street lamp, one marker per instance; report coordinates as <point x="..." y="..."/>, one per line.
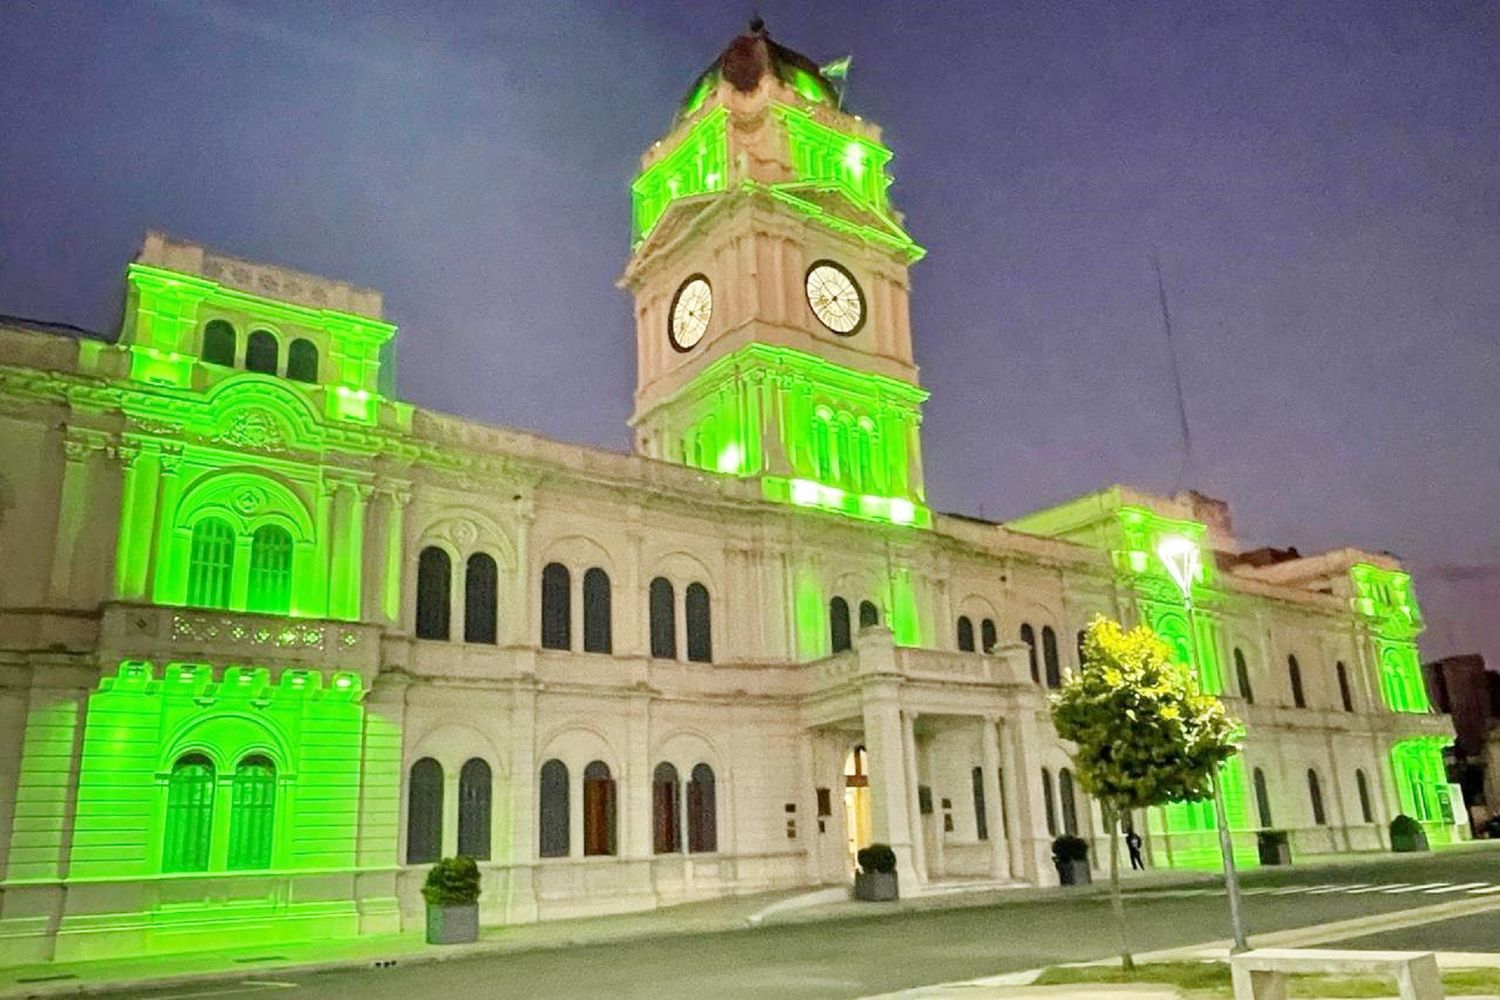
<point x="1180" y="556"/>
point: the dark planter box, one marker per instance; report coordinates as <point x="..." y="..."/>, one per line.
<point x="1074" y="872"/>
<point x="1404" y="845"/>
<point x="1275" y="849"/>
<point x="875" y="887"/>
<point x="453" y="924"/>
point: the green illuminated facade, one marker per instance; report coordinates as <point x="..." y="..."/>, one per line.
<point x="273" y="640"/>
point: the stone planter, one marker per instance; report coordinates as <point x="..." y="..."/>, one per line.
<point x="453" y="924"/>
<point x="875" y="887"/>
<point x="1074" y="872"/>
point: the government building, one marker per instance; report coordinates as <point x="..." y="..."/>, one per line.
<point x="272" y="640"/>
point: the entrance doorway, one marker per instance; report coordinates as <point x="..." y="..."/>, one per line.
<point x="857" y="822"/>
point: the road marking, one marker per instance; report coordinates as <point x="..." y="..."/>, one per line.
<point x="1416" y="888"/>
<point x="1454" y="888"/>
<point x="1485" y="891"/>
<point x="1379" y="888"/>
<point x="1294" y="890"/>
<point x="1338" y="888"/>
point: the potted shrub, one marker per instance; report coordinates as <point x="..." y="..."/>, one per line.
<point x="452" y="895"/>
<point x="1407" y="834"/>
<point x="875" y="882"/>
<point x="1071" y="856"/>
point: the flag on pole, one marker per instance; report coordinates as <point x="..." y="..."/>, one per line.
<point x="836" y="70"/>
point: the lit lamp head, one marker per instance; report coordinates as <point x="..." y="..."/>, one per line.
<point x="1179" y="554"/>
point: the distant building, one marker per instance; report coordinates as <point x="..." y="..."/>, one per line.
<point x="1461" y="687"/>
<point x="272" y="640"/>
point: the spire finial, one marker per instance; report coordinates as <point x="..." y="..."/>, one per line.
<point x="757" y="25"/>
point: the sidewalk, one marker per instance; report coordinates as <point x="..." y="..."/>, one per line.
<point x="713" y="916"/>
<point x="732" y="913"/>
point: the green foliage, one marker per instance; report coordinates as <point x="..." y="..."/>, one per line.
<point x="1145" y="734"/>
<point x="876" y="858"/>
<point x="1069" y="848"/>
<point x="452" y="882"/>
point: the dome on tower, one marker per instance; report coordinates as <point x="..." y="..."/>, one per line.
<point x="750" y="58"/>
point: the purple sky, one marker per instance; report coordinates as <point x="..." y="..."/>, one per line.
<point x="1323" y="184"/>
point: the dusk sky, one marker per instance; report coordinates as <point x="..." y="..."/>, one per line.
<point x="1322" y="182"/>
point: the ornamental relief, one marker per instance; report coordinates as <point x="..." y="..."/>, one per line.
<point x="252" y="427"/>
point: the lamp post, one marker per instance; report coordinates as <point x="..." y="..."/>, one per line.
<point x="1180" y="556"/>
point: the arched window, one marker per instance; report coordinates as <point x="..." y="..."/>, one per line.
<point x="1346" y="696"/>
<point x="666" y="825"/>
<point x="474" y="810"/>
<point x="1049" y="657"/>
<point x="838" y="624"/>
<point x="700" y="642"/>
<point x="480" y="582"/>
<point x="987" y="636"/>
<point x="270" y="570"/>
<point x="869" y="614"/>
<point x="557" y="607"/>
<point x="596" y="617"/>
<point x="1069" y="803"/>
<point x="210" y="563"/>
<point x="424" y="812"/>
<point x="252" y="814"/>
<point x="302" y="360"/>
<point x="965" y="634"/>
<point x="190" y="815"/>
<point x="981" y="821"/>
<point x="1049" y="803"/>
<point x="1315" y="793"/>
<point x="218" y="343"/>
<point x="663" y="613"/>
<point x="1242" y="676"/>
<point x="1262" y="799"/>
<point x="1028" y="636"/>
<point x="823" y="446"/>
<point x="434" y="577"/>
<point x="598" y="809"/>
<point x="702" y="811"/>
<point x="1362" y="784"/>
<point x="1294" y="673"/>
<point x="262" y="352"/>
<point x="554" y="810"/>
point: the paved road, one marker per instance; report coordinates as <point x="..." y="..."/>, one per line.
<point x="857" y="957"/>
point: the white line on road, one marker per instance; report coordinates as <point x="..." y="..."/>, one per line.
<point x="1485" y="891"/>
<point x="1415" y="888"/>
<point x="1295" y="889"/>
<point x="1338" y="888"/>
<point x="1454" y="888"/>
<point x="1379" y="888"/>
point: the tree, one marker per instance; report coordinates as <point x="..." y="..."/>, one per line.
<point x="1145" y="734"/>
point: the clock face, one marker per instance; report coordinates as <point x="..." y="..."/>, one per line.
<point x="835" y="298"/>
<point x="691" y="308"/>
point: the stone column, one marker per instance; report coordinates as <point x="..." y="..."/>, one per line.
<point x="890" y="806"/>
<point x="914" y="800"/>
<point x="72" y="506"/>
<point x="137" y="505"/>
<point x="1033" y="843"/>
<point x="989" y="748"/>
<point x="166" y="581"/>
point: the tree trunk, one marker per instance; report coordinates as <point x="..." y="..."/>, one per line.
<point x="1116" y="900"/>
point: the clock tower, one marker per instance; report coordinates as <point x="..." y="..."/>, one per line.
<point x="769" y="270"/>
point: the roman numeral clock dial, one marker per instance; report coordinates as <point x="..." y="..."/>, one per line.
<point x="692" y="307"/>
<point x="835" y="298"/>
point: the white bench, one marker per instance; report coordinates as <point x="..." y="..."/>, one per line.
<point x="1261" y="974"/>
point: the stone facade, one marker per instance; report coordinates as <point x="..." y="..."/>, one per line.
<point x="271" y="640"/>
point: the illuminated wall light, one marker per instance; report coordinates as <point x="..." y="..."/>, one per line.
<point x="730" y="458"/>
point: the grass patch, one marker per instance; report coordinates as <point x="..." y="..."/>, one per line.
<point x="1211" y="980"/>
